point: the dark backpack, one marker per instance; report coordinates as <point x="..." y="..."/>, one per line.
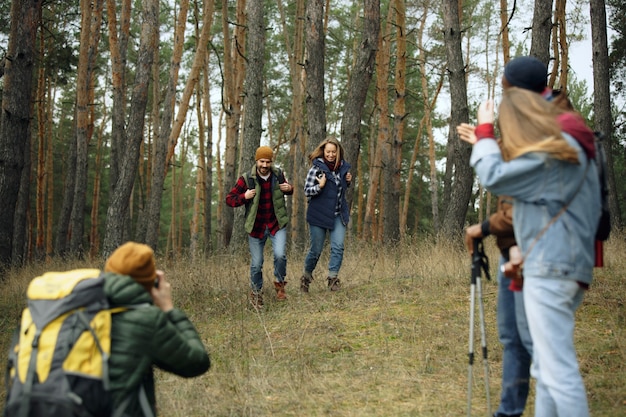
<point x="604" y="225"/>
<point x="58" y="362"/>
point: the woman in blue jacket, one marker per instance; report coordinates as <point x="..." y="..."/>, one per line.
<point x="327" y="212"/>
<point x="556" y="207"/>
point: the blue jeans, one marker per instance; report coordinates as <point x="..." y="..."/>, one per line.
<point x="279" y="244"/>
<point x="317" y="238"/>
<point x="550" y="307"/>
<point x="517" y="347"/>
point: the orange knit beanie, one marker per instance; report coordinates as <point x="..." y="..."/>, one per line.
<point x="135" y="260"/>
<point x="264" y="152"/>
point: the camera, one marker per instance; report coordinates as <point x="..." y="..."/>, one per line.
<point x="319" y="175"/>
<point x="512" y="270"/>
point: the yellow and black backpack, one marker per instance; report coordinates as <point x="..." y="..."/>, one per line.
<point x="58" y="363"/>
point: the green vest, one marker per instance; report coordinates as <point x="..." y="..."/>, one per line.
<point x="280" y="209"/>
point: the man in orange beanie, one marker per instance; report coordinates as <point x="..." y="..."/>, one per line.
<point x="156" y="334"/>
<point x="262" y="190"/>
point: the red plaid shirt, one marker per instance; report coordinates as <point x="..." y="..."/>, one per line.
<point x="265" y="217"/>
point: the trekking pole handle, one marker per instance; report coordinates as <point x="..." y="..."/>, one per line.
<point x="476" y="258"/>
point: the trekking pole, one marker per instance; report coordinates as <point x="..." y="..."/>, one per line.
<point x="479" y="261"/>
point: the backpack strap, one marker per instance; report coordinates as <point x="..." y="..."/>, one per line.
<point x="143" y="403"/>
<point x="30" y="377"/>
<point x="12" y="360"/>
<point x="280" y="175"/>
<point x="250" y="182"/>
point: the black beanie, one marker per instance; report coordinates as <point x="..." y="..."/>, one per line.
<point x="526" y="72"/>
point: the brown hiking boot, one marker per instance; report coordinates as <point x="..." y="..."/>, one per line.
<point x="334" y="284"/>
<point x="304" y="283"/>
<point x="280" y="290"/>
<point x="256" y="299"/>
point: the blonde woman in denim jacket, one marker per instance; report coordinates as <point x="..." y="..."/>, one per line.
<point x="556" y="200"/>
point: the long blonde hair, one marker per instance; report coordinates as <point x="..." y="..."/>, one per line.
<point x="319" y="150"/>
<point x="528" y="123"/>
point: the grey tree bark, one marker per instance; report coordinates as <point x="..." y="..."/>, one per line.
<point x="161" y="141"/>
<point x="358" y="84"/>
<point x="252" y="105"/>
<point x="89" y="40"/>
<point x="61" y="246"/>
<point x="391" y="173"/>
<point x="460" y="182"/>
<point x="314" y="67"/>
<point x="603" y="120"/>
<point x="20" y="226"/>
<point x="120" y="200"/>
<point x="542" y="29"/>
<point x="16" y="113"/>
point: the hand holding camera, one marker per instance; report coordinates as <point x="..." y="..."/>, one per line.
<point x="321" y="179"/>
<point x="514" y="267"/>
<point x="162" y="292"/>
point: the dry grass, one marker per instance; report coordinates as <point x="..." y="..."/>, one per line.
<point x="393" y="342"/>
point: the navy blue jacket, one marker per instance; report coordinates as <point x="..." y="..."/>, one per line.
<point x="324" y="201"/>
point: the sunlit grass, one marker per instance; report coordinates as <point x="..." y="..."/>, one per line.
<point x="393" y="342"/>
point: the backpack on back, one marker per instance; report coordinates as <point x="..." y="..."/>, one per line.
<point x="250" y="182"/>
<point x="58" y="363"/>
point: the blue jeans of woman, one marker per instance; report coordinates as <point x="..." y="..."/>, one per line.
<point x="550" y="306"/>
<point x="516" y="348"/>
<point x="317" y="238"/>
<point x="279" y="245"/>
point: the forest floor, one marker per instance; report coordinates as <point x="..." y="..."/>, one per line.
<point x="393" y="342"/>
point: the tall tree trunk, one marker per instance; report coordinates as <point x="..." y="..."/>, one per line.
<point x="120" y="200"/>
<point x="542" y="28"/>
<point x="358" y="85"/>
<point x="233" y="75"/>
<point x="94" y="233"/>
<point x="504" y="29"/>
<point x="561" y="53"/>
<point x="297" y="133"/>
<point x="314" y="67"/>
<point x="208" y="172"/>
<point x="458" y="153"/>
<point x="602" y="99"/>
<point x="16" y="112"/>
<point x="253" y="101"/>
<point x="91" y="11"/>
<point x="381" y="152"/>
<point x="50" y="176"/>
<point x="199" y="197"/>
<point x="161" y="141"/>
<point x="20" y="252"/>
<point x="392" y="201"/>
<point x="63" y="222"/>
<point x="118" y="47"/>
<point x="41" y="150"/>
<point x="203" y="113"/>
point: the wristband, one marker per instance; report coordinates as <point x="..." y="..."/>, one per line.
<point x="484" y="228"/>
<point x="484" y="131"/>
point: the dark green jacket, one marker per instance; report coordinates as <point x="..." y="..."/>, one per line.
<point x="146" y="336"/>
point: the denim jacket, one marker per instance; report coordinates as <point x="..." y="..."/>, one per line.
<point x="540" y="186"/>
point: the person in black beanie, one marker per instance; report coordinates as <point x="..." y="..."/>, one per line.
<point x="528" y="73"/>
<point x="531" y="74"/>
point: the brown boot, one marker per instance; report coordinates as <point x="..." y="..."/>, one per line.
<point x="256" y="299"/>
<point x="334" y="284"/>
<point x="280" y="290"/>
<point x="304" y="283"/>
